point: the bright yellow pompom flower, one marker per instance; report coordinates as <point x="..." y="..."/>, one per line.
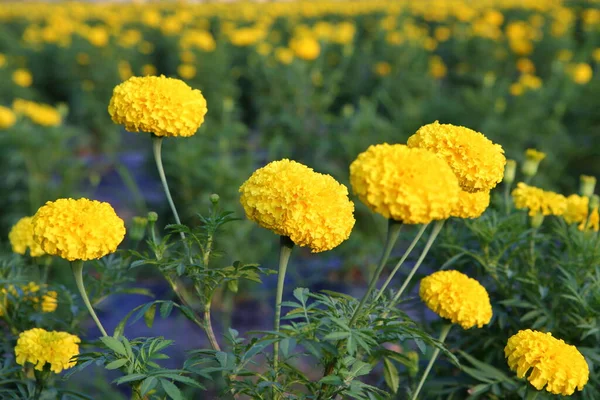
<point x="455" y="296"/>
<point x="7" y="118"/>
<point x="409" y="185"/>
<point x="292" y="200"/>
<point x="306" y="48"/>
<point x="159" y="105"/>
<point x="554" y="364"/>
<point x="537" y="200"/>
<point x="21" y="238"/>
<point x="577" y="212"/>
<point x="41" y="347"/>
<point x="22" y="77"/>
<point x="78" y="229"/>
<point x="471" y="205"/>
<point x="477" y="162"/>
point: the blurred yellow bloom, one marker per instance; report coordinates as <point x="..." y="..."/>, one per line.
<point x="146" y="48"/>
<point x="246" y="36"/>
<point x="82" y="58"/>
<point x="437" y="68"/>
<point x="148" y="69"/>
<point x="382" y="68"/>
<point x="200" y="39"/>
<point x="7" y="118"/>
<point x="41" y="114"/>
<point x="516" y="89"/>
<point x="22" y="77"/>
<point x="2" y="60"/>
<point x="97" y="36"/>
<point x="343" y="33"/>
<point x="525" y="65"/>
<point x="581" y="73"/>
<point x="124" y="69"/>
<point x="306" y="48"/>
<point x="442" y="33"/>
<point x="539" y="201"/>
<point x="577" y="212"/>
<point x="564" y="55"/>
<point x="284" y="55"/>
<point x="186" y="71"/>
<point x="264" y="49"/>
<point x="21" y="238"/>
<point x="595" y="55"/>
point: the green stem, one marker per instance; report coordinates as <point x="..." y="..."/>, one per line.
<point x="156" y="147"/>
<point x="436" y="230"/>
<point x="507" y="202"/>
<point x="532" y="247"/>
<point x="40" y="383"/>
<point x="285" y="250"/>
<point x="404" y="257"/>
<point x="77" y="267"/>
<point x="435" y="354"/>
<point x="208" y="327"/>
<point x="392" y="236"/>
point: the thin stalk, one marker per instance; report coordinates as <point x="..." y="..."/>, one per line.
<point x="208" y="327"/>
<point x="77" y="268"/>
<point x="392" y="236"/>
<point x="285" y="250"/>
<point x="435" y="354"/>
<point x="532" y="247"/>
<point x="436" y="230"/>
<point x="404" y="257"/>
<point x="157" y="147"/>
<point x="507" y="202"/>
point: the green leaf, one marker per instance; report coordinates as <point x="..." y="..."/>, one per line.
<point x="390" y="374"/>
<point x="221" y="357"/>
<point x="114" y="344"/>
<point x="147" y="385"/>
<point x="287" y="346"/>
<point x="149" y="316"/>
<point x="116" y="364"/>
<point x="171" y="390"/>
<point x="166" y="308"/>
<point x="130" y="378"/>
<point x="301" y="294"/>
<point x="332" y="380"/>
<point x="336" y="336"/>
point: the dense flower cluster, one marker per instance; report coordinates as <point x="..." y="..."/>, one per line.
<point x="21" y="238"/>
<point x="537" y="200"/>
<point x="477" y="162"/>
<point x="471" y="205"/>
<point x="159" y="105"/>
<point x="553" y="363"/>
<point x="409" y="185"/>
<point x="41" y="114"/>
<point x="29" y="294"/>
<point x="292" y="200"/>
<point x="78" y="229"/>
<point x="455" y="296"/>
<point x="41" y="347"/>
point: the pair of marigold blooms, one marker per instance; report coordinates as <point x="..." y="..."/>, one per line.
<point x="443" y="171"/>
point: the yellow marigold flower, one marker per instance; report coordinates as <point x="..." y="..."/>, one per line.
<point x="306" y="48"/>
<point x="41" y="114"/>
<point x="581" y="73"/>
<point x="148" y="69"/>
<point x="292" y="200"/>
<point x="78" y="229"/>
<point x="577" y="211"/>
<point x="41" y="347"/>
<point x="7" y="118"/>
<point x="186" y="71"/>
<point x="50" y="301"/>
<point x="532" y="162"/>
<point x="455" y="296"/>
<point x="437" y="68"/>
<point x="471" y="205"/>
<point x="22" y="77"/>
<point x="21" y="238"/>
<point x="246" y="36"/>
<point x="284" y="55"/>
<point x="553" y="363"/>
<point x="477" y="162"/>
<point x="409" y="185"/>
<point x="537" y="200"/>
<point x="382" y="68"/>
<point x="156" y="104"/>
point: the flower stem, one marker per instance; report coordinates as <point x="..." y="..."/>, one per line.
<point x="157" y="147"/>
<point x="77" y="267"/>
<point x="404" y="257"/>
<point x="392" y="236"/>
<point x="285" y="250"/>
<point x="436" y="230"/>
<point x="507" y="202"/>
<point x="210" y="333"/>
<point x="435" y="354"/>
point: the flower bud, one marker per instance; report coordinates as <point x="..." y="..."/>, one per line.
<point x="532" y="162"/>
<point x="509" y="171"/>
<point x="138" y="229"/>
<point x="536" y="220"/>
<point x="152" y="216"/>
<point x="587" y="185"/>
<point x="594" y="202"/>
<point x="214" y="199"/>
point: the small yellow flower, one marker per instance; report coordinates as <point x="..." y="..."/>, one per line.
<point x="41" y="347"/>
<point x="477" y="162"/>
<point x="577" y="210"/>
<point x="409" y="185"/>
<point x="22" y="77"/>
<point x="159" y="105"/>
<point x="532" y="162"/>
<point x="7" y="118"/>
<point x="553" y="363"/>
<point x="292" y="200"/>
<point x="525" y="65"/>
<point x="21" y="238"/>
<point x="306" y="48"/>
<point x="41" y="114"/>
<point x="455" y="296"/>
<point x="581" y="73"/>
<point x="382" y="68"/>
<point x="471" y="205"/>
<point x="148" y="69"/>
<point x="186" y="71"/>
<point x="78" y="229"/>
<point x="437" y="68"/>
<point x="537" y="200"/>
<point x="50" y="301"/>
<point x="284" y="55"/>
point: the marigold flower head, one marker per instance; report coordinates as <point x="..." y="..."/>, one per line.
<point x="455" y="296"/>
<point x="577" y="211"/>
<point x="21" y="238"/>
<point x="41" y="347"/>
<point x="41" y="114"/>
<point x="409" y="185"/>
<point x="537" y="200"/>
<point x="553" y="363"/>
<point x="78" y="229"/>
<point x="292" y="200"/>
<point x="471" y="205"/>
<point x="306" y="47"/>
<point x="7" y="118"/>
<point x="532" y="162"/>
<point x="477" y="162"/>
<point x="159" y="105"/>
<point x="22" y="77"/>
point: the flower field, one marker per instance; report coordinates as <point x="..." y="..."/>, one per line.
<point x="365" y="199"/>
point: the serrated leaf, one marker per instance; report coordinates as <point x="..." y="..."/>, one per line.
<point x="171" y="390"/>
<point x="390" y="374"/>
<point x="147" y="385"/>
<point x="114" y="344"/>
<point x="116" y="364"/>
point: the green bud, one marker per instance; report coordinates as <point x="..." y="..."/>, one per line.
<point x="536" y="220"/>
<point x="510" y="171"/>
<point x="587" y="185"/>
<point x="152" y="216"/>
<point x="214" y="198"/>
<point x="138" y="229"/>
<point x="594" y="202"/>
<point x="532" y="162"/>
